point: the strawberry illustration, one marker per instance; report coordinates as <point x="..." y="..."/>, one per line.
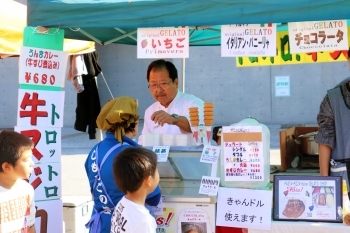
<point x="285" y="193"/>
<point x="144" y="43"/>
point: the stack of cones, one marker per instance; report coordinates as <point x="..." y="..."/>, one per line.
<point x="194" y="121"/>
<point x="208" y="118"/>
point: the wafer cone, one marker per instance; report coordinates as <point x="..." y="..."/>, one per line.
<point x="208" y="122"/>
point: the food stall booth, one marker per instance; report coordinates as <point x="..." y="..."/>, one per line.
<point x="181" y="174"/>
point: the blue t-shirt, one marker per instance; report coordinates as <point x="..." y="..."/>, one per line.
<point x="101" y="201"/>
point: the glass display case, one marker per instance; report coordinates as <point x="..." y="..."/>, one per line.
<point x="183" y="207"/>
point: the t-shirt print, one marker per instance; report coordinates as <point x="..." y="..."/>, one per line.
<point x="14" y="215"/>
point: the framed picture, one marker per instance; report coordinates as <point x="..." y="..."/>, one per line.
<point x="307" y="198"/>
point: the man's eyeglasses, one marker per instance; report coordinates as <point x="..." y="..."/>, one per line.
<point x="160" y="85"/>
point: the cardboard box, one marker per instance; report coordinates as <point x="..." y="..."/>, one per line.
<point x="288" y="148"/>
<point x="76" y="213"/>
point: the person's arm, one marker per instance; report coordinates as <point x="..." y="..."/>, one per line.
<point x="324" y="156"/>
<point x="183" y="124"/>
<point x="161" y="117"/>
<point x="325" y="136"/>
<point x="32" y="229"/>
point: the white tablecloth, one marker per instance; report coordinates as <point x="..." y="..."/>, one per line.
<point x="303" y="227"/>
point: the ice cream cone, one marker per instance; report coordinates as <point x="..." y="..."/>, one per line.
<point x="195" y="132"/>
<point x="208" y="129"/>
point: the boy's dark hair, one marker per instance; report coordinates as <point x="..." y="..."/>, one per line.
<point x="162" y="64"/>
<point x="132" y="166"/>
<point x="12" y="145"/>
<point x="349" y="53"/>
<point x="215" y="133"/>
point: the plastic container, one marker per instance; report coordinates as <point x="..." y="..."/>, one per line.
<point x="182" y="140"/>
<point x="76" y="213"/>
<point x="151" y="140"/>
<point x="167" y="140"/>
<point x="265" y="164"/>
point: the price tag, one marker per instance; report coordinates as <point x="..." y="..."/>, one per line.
<point x="209" y="185"/>
<point x="162" y="153"/>
<point x="210" y="154"/>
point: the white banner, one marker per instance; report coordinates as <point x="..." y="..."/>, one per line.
<point x="168" y="42"/>
<point x="46" y="181"/>
<point x="244" y="208"/>
<point x="318" y="36"/>
<point x="47" y="143"/>
<point x="252" y="40"/>
<point x="49" y="216"/>
<point x="42" y="67"/>
<point x="40" y="108"/>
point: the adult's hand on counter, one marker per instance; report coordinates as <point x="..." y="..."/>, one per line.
<point x="324" y="157"/>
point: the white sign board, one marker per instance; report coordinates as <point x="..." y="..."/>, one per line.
<point x="244" y="208"/>
<point x="252" y="40"/>
<point x="46" y="181"/>
<point x="47" y="143"/>
<point x="282" y="86"/>
<point x="44" y="67"/>
<point x="167" y="42"/>
<point x="40" y="108"/>
<point x="243" y="153"/>
<point x="318" y="36"/>
<point x="49" y="216"/>
<point x="210" y="154"/>
<point x="162" y="153"/>
<point x="209" y="185"/>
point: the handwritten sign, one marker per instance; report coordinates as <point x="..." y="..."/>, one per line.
<point x="282" y="86"/>
<point x="46" y="181"/>
<point x="167" y="42"/>
<point x="244" y="208"/>
<point x="209" y="185"/>
<point x="317" y="36"/>
<point x="40" y="108"/>
<point x="307" y="198"/>
<point x="48" y="218"/>
<point x="243" y="153"/>
<point x="162" y="153"/>
<point x="47" y="143"/>
<point x="40" y="66"/>
<point x="210" y="154"/>
<point x="248" y="40"/>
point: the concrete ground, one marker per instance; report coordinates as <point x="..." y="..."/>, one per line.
<point x="76" y="145"/>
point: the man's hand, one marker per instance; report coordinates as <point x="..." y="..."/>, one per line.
<point x="160" y="117"/>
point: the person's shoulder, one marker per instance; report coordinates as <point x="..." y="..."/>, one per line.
<point x="190" y="97"/>
<point x="23" y="184"/>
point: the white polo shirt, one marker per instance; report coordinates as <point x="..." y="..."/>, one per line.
<point x="180" y="105"/>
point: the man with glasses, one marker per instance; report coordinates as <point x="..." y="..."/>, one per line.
<point x="169" y="114"/>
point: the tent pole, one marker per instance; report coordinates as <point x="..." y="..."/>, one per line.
<point x="183" y="74"/>
<point x="98" y="131"/>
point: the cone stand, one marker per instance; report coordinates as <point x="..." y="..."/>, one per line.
<point x="195" y="133"/>
<point x="208" y="130"/>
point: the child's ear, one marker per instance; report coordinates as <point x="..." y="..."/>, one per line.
<point x="148" y="181"/>
<point x="6" y="167"/>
